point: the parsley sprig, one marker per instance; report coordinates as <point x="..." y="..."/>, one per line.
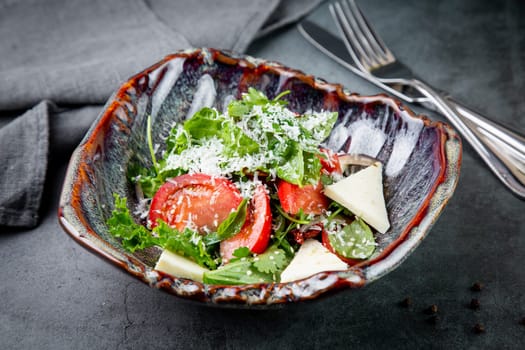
<point x="246" y="268"/>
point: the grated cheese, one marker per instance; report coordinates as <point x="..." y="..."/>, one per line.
<point x="209" y="156"/>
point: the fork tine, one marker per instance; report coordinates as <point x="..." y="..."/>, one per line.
<point x="352" y="44"/>
<point x="374" y="40"/>
<point x="375" y="56"/>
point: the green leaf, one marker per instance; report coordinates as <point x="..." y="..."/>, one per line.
<point x="317" y="129"/>
<point x="238" y="108"/>
<point x="211" y="239"/>
<point x="255" y="97"/>
<point x="178" y="140"/>
<point x="265" y="267"/>
<point x="234" y="222"/>
<point x="206" y="124"/>
<point x="236" y="142"/>
<point x="149" y="184"/>
<point x="312" y="168"/>
<point x="291" y="168"/>
<point x="122" y="225"/>
<point x="326" y="180"/>
<point x="273" y="260"/>
<point x="135" y="236"/>
<point x="337" y="209"/>
<point x="235" y="273"/>
<point x="354" y="241"/>
<point x="150" y="181"/>
<point x="187" y="243"/>
<point x="300" y="218"/>
<point x="147" y="178"/>
<point x="241" y="252"/>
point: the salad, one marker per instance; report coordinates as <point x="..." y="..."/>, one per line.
<point x="250" y="195"/>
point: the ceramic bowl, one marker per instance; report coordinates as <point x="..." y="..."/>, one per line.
<point x="421" y="164"/>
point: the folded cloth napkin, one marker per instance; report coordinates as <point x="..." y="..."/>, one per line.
<point x="61" y="60"/>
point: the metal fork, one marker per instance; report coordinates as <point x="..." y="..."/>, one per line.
<point x="501" y="149"/>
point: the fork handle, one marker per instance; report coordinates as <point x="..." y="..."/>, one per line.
<point x="501" y="132"/>
<point x="474" y="119"/>
<point x="490" y="143"/>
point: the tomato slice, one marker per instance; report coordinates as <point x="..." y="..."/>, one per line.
<point x="309" y="198"/>
<point x="330" y="161"/>
<point x="198" y="201"/>
<point x="255" y="233"/>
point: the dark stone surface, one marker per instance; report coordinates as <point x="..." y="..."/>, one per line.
<point x="56" y="295"/>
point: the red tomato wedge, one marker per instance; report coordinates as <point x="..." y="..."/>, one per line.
<point x="198" y="201"/>
<point x="309" y="198"/>
<point x="330" y="161"/>
<point x="255" y="233"/>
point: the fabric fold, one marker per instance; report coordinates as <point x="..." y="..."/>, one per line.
<point x="24" y="149"/>
<point x="73" y="54"/>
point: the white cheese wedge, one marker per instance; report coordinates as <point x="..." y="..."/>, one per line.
<point x="362" y="194"/>
<point x="311" y="258"/>
<point x="179" y="266"/>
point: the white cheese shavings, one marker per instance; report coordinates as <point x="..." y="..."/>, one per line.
<point x="265" y="124"/>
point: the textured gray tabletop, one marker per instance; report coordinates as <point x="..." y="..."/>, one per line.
<point x="56" y="295"/>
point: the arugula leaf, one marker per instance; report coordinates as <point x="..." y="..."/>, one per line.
<point x="326" y="180"/>
<point x="291" y="167"/>
<point x="146" y="177"/>
<point x="149" y="180"/>
<point x="255" y="97"/>
<point x="178" y="140"/>
<point x="312" y="168"/>
<point x="234" y="222"/>
<point x="300" y="218"/>
<point x="236" y="142"/>
<point x="337" y="209"/>
<point x="241" y="271"/>
<point x="206" y="124"/>
<point x="283" y="224"/>
<point x="239" y="108"/>
<point x="315" y="129"/>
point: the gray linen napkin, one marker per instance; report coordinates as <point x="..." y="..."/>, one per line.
<point x="61" y="59"/>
